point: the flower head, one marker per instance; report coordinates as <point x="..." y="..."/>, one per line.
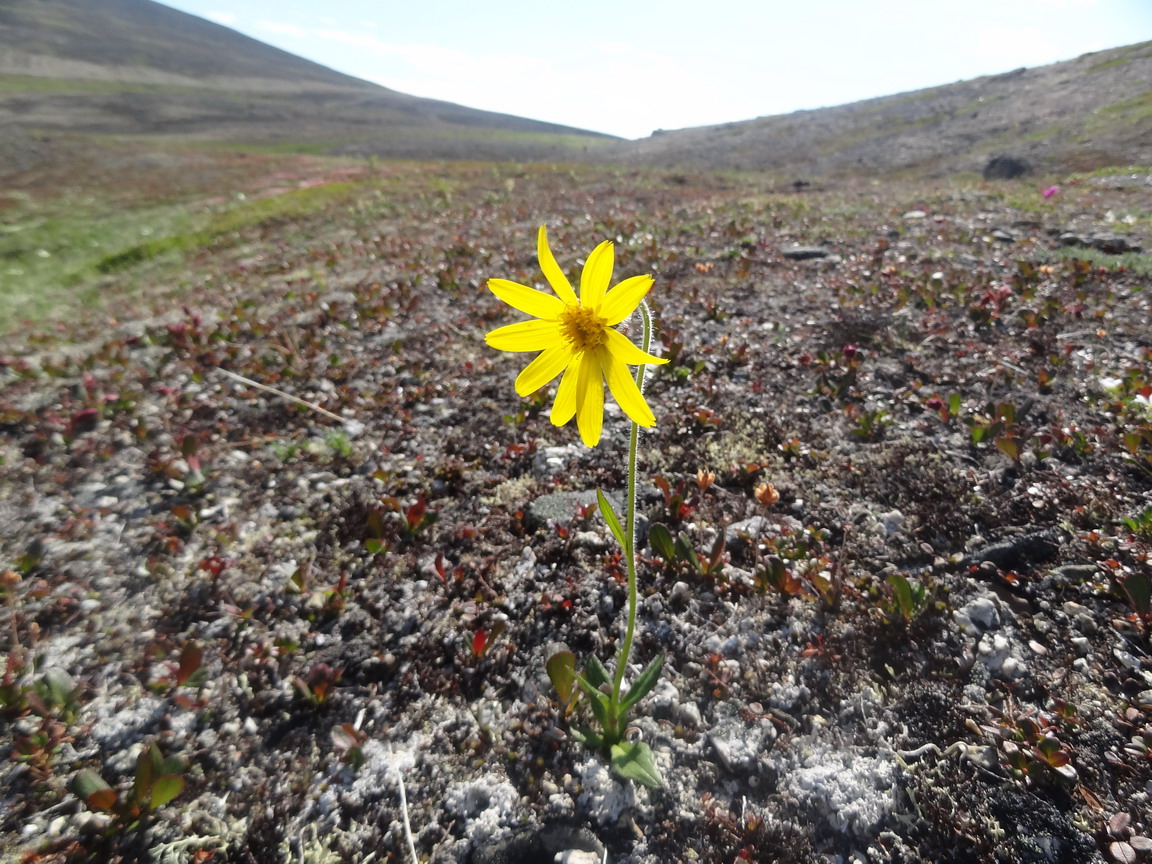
<point x="576" y="335"/>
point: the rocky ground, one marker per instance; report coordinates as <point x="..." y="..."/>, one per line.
<point x="904" y="447"/>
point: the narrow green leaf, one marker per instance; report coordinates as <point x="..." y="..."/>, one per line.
<point x="661" y="541"/>
<point x="598" y="700"/>
<point x="600" y="708"/>
<point x="595" y="672"/>
<point x="610" y="517"/>
<point x="633" y="761"/>
<point x="643" y="684"/>
<point x="561" y="666"/>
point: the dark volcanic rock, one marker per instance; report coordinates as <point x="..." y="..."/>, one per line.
<point x="1006" y="168"/>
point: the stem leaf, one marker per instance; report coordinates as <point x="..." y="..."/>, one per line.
<point x="610" y="517"/>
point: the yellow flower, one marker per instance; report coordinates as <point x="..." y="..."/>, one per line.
<point x="576" y="336"/>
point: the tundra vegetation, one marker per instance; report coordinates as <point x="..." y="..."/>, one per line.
<point x="277" y="534"/>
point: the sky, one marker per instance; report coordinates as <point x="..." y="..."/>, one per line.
<point x="629" y="68"/>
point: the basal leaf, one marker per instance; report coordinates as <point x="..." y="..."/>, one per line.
<point x="595" y="672"/>
<point x="633" y="761"/>
<point x="643" y="684"/>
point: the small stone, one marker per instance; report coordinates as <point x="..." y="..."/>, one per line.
<point x="914" y="214"/>
<point x="1013" y="668"/>
<point x="688" y="713"/>
<point x="1126" y="659"/>
<point x="893" y="521"/>
<point x="590" y="540"/>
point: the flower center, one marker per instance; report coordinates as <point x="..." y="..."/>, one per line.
<point x="583" y="328"/>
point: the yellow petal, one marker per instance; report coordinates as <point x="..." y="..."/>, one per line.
<point x="543" y="369"/>
<point x="564" y="408"/>
<point x="622" y="300"/>
<point x="596" y="276"/>
<point x="552" y="271"/>
<point x="590" y="399"/>
<point x="625" y="351"/>
<point x="625" y="391"/>
<point x="525" y="299"/>
<point x="525" y="336"/>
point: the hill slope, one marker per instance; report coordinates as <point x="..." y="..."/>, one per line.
<point x="135" y="67"/>
<point x="1079" y="114"/>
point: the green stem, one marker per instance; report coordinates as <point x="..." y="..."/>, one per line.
<point x="630" y="540"/>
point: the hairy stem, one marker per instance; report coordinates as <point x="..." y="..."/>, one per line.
<point x="630" y="539"/>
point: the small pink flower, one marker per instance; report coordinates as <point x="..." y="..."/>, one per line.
<point x="1050" y="191"/>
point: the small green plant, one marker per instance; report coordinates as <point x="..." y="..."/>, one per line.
<point x="157" y="781"/>
<point x="1030" y="749"/>
<point x="908" y="599"/>
<point x="680" y="552"/>
<point x="870" y="424"/>
<point x="349" y="742"/>
<point x="678" y="504"/>
<point x="1140" y="524"/>
<point x="417" y="518"/>
<point x="316" y="687"/>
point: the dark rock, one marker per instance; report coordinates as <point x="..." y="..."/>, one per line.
<point x="1069" y="238"/>
<point x="805" y="253"/>
<point x="1019" y="553"/>
<point x="1006" y="168"/>
<point x="1003" y="236"/>
<point x="1112" y="244"/>
<point x="1115" y="244"/>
